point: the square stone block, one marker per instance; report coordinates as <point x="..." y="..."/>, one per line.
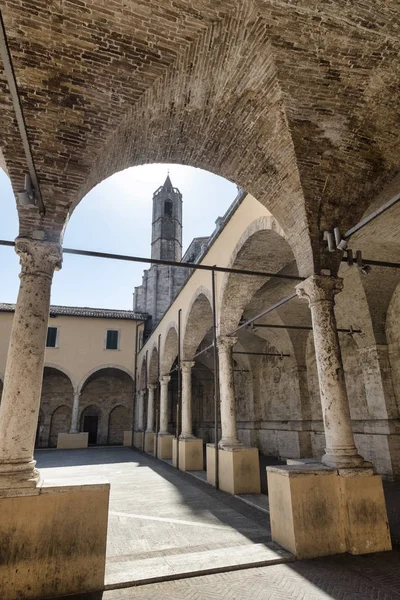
<point x="210" y="463"/>
<point x="305" y="510"/>
<point x="138" y="439"/>
<point x="53" y="541"/>
<point x="69" y="441"/>
<point x="149" y="441"/>
<point x="191" y="455"/>
<point x="128" y="438"/>
<point x="239" y="470"/>
<point x="175" y="444"/>
<point x="317" y="511"/>
<point x="164" y="446"/>
<point x="366" y="522"/>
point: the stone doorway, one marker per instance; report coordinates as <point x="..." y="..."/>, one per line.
<point x="90" y="425"/>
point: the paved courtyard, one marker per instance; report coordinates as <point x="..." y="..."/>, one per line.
<point x="165" y="526"/>
<point x="163" y="523"/>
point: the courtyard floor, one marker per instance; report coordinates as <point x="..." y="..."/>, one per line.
<point x="185" y="540"/>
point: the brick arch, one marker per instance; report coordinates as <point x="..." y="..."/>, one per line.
<point x="169" y="348"/>
<point x="118" y="422"/>
<point x="262" y="244"/>
<point x="199" y="320"/>
<point x="3" y="164"/>
<point x="67" y="373"/>
<point x="92" y="372"/>
<point x="231" y="104"/>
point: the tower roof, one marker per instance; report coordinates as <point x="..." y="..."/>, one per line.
<point x="168" y="184"/>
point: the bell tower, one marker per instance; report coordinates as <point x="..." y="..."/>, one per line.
<point x="166" y="237"/>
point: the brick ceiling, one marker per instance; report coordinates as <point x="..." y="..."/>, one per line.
<point x="295" y="101"/>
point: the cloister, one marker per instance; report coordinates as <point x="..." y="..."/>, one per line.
<point x="297" y="104"/>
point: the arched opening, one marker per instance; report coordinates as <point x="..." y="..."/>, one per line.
<point x="265" y="379"/>
<point x="57" y="392"/>
<point x="92" y="419"/>
<point x="118" y="422"/>
<point x="105" y="389"/>
<point x="60" y="423"/>
<point x="168" y="208"/>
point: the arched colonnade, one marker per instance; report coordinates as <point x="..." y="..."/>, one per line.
<point x="100" y="405"/>
<point x="270" y="394"/>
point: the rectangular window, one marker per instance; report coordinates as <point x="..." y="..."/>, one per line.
<point x="112" y="339"/>
<point x="51" y="341"/>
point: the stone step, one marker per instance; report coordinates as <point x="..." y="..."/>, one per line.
<point x="178" y="566"/>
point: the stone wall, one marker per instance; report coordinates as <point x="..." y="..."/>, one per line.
<point x="107" y="396"/>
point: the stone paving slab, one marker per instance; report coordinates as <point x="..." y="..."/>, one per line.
<point x="179" y="566"/>
<point x="162" y="522"/>
<point x="375" y="577"/>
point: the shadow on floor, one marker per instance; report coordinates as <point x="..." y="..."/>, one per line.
<point x="226" y="508"/>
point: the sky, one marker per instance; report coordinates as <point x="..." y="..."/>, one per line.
<point x="115" y="217"/>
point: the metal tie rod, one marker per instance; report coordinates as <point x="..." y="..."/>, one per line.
<point x="265" y="312"/>
<point x="376" y="213"/>
<point x="305" y="327"/>
<point x="281" y="355"/>
<point x="374" y="263"/>
<point x="19" y="115"/>
<point x="171" y="263"/>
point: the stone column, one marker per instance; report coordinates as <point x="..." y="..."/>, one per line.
<point x="140" y="411"/>
<point x="187" y="424"/>
<point x="20" y="404"/>
<point x="229" y="436"/>
<point x="75" y="413"/>
<point x="150" y="408"/>
<point x="164" y="381"/>
<point x="340" y="448"/>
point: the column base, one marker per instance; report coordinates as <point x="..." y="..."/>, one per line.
<point x="128" y="441"/>
<point x="238" y="469"/>
<point x="138" y="439"/>
<point x="18" y="476"/>
<point x="317" y="511"/>
<point x="191" y="454"/>
<point x="164" y="445"/>
<point x="345" y="462"/>
<point x="69" y="441"/>
<point x="149" y="441"/>
<point x="54" y="541"/>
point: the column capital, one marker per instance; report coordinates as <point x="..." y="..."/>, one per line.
<point x="38" y="257"/>
<point x="318" y="288"/>
<point x="165" y="379"/>
<point x="226" y="342"/>
<point x="152" y="386"/>
<point x="187" y="365"/>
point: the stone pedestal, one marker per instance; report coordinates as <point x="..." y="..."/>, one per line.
<point x="317" y="511"/>
<point x="138" y="439"/>
<point x="127" y="439"/>
<point x="149" y="441"/>
<point x="69" y="441"/>
<point x="164" y="446"/>
<point x="191" y="455"/>
<point x="239" y="470"/>
<point x="53" y="541"/>
<point x="174" y="452"/>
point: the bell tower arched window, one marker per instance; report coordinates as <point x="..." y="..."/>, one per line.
<point x="168" y="208"/>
